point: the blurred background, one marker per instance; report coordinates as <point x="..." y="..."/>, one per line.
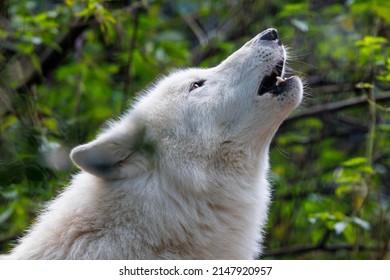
<point x="66" y="67"/>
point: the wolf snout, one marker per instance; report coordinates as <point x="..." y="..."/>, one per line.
<point x="270" y="34"/>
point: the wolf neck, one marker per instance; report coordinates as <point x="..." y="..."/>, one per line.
<point x="227" y="198"/>
<point x="200" y="163"/>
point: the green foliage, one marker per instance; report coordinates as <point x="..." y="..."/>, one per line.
<point x="330" y="171"/>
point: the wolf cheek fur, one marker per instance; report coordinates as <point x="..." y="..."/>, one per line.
<point x="182" y="175"/>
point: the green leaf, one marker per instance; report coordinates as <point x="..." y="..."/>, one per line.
<point x="294" y="9"/>
<point x="3" y="33"/>
<point x="36" y="62"/>
<point x="357" y="161"/>
<point x="363" y="85"/>
<point x="349" y="234"/>
<point x="384" y="127"/>
<point x="343" y="189"/>
<point x="370" y="41"/>
<point x="383" y="10"/>
<point x="25" y="48"/>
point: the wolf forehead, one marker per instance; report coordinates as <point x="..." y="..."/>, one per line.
<point x="183" y="80"/>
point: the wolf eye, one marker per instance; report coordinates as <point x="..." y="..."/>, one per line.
<point x="196" y="85"/>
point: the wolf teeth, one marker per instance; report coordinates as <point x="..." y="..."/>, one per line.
<point x="279" y="79"/>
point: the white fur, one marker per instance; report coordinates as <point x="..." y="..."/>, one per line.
<point x="182" y="175"/>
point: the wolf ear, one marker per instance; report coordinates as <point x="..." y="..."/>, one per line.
<point x="102" y="157"/>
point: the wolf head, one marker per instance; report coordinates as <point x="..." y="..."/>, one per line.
<point x="195" y="124"/>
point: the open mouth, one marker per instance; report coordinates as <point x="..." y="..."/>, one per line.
<point x="273" y="83"/>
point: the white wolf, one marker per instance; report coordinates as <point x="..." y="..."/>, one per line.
<point x="182" y="175"/>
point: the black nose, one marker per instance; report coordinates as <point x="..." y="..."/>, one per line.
<point x="269" y="35"/>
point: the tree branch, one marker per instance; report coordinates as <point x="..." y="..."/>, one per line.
<point x="50" y="58"/>
<point x="335" y="106"/>
<point x="128" y="83"/>
<point x="307" y="249"/>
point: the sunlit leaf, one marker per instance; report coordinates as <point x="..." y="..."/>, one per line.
<point x="349" y="233"/>
<point x="5" y="215"/>
<point x="300" y="24"/>
<point x="355" y="162"/>
<point x="343" y="189"/>
<point x="339" y="227"/>
<point x="361" y="223"/>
